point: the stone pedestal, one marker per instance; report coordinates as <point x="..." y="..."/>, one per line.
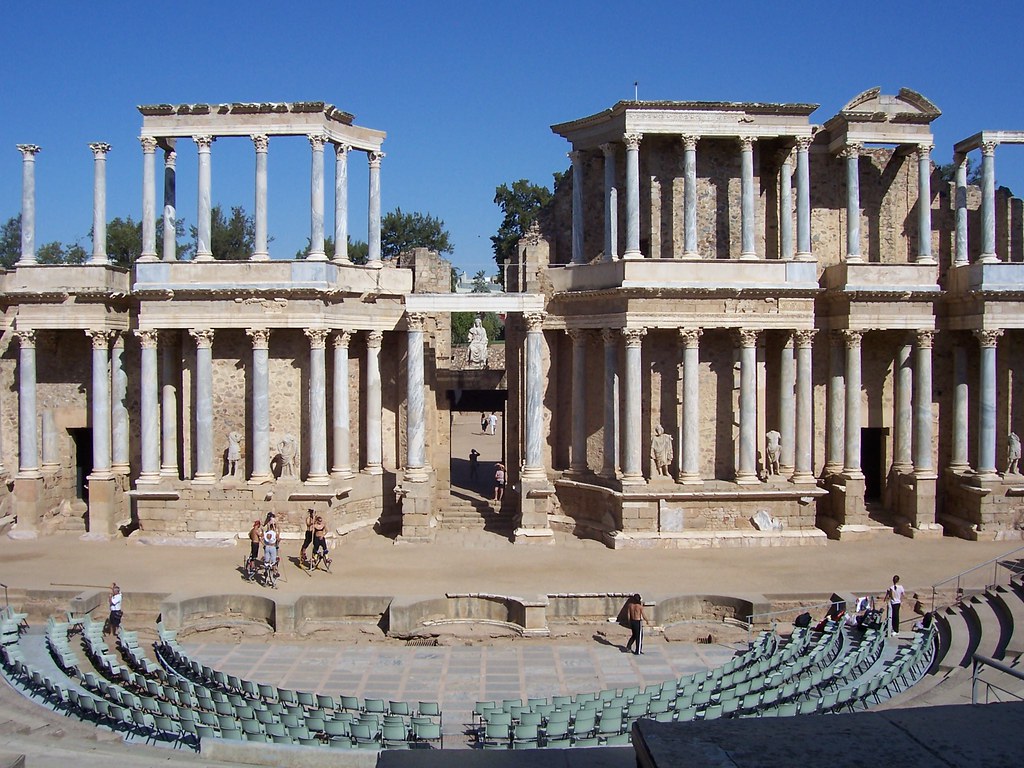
<point x="418" y="505"/>
<point x="534" y="504"/>
<point x="28" y="493"/>
<point x="917" y="508"/>
<point x="103" y="514"/>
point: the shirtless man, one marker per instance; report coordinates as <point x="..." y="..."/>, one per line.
<point x="255" y="539"/>
<point x="320" y="539"/>
<point x="308" y="538"/>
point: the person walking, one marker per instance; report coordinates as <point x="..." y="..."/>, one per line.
<point x="492" y="422"/>
<point x="635" y="616"/>
<point x="894" y="596"/>
<point x="499" y="482"/>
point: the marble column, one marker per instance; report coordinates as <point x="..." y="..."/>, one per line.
<point x="786" y="205"/>
<point x="204" y="224"/>
<point x="99" y="202"/>
<point x="632" y="142"/>
<point x="803" y="439"/>
<point x="28" y="203"/>
<point x="261" y="143"/>
<point x="317" y="405"/>
<point x="851" y="153"/>
<point x="169" y="407"/>
<point x="204" y="468"/>
<point x="747" y="211"/>
<point x="924" y="466"/>
<point x="690" y="197"/>
<point x="924" y="204"/>
<point x="632" y="471"/>
<point x="988" y="341"/>
<point x="959" y="460"/>
<point x="342" y="464"/>
<point x="988" y="202"/>
<point x="611" y="205"/>
<point x="149" y="409"/>
<point x="851" y="446"/>
<point x="746" y="467"/>
<point x="149" y="145"/>
<point x="261" y="469"/>
<point x="903" y="385"/>
<point x="316" y="199"/>
<point x="836" y="404"/>
<point x="577" y="158"/>
<point x="28" y="440"/>
<point x="170" y="239"/>
<point x="373" y="212"/>
<point x="374" y="446"/>
<point x="803" y="200"/>
<point x="611" y="402"/>
<point x="961" y="253"/>
<point x="119" y="456"/>
<point x="341" y="203"/>
<point x="787" y="405"/>
<point x="578" y="459"/>
<point x="416" y="419"/>
<point x="100" y="402"/>
<point x="51" y="447"/>
<point x="533" y="466"/>
<point x="689" y="463"/>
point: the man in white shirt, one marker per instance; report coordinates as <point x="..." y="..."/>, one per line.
<point x="115" y="608"/>
<point x="894" y="596"/>
<point x="270" y="546"/>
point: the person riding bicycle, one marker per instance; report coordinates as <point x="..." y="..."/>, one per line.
<point x="255" y="537"/>
<point x="320" y="540"/>
<point x="308" y="539"/>
<point x="270" y="547"/>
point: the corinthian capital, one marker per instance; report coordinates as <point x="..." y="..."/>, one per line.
<point x="804" y="338"/>
<point x="633" y="337"/>
<point x="853" y="149"/>
<point x="203" y="337"/>
<point x="261" y="141"/>
<point x="148" y="144"/>
<point x="535" y="321"/>
<point x="632" y="140"/>
<point x="803" y="143"/>
<point x="374" y="339"/>
<point x="260" y="337"/>
<point x="690" y="336"/>
<point x="989" y="338"/>
<point x="317" y="140"/>
<point x="925" y="338"/>
<point x="101" y="339"/>
<point x="317" y="337"/>
<point x="203" y="143"/>
<point x="340" y="150"/>
<point x="988" y="147"/>
<point x="609" y="150"/>
<point x="99" y="149"/>
<point x="341" y="339"/>
<point x="852" y="337"/>
<point x="924" y="151"/>
<point x="746" y="143"/>
<point x="170" y="158"/>
<point x="26" y="337"/>
<point x="148" y="337"/>
<point x="375" y="158"/>
<point x="29" y="150"/>
<point x="689" y="141"/>
<point x="747" y="336"/>
<point x="416" y="321"/>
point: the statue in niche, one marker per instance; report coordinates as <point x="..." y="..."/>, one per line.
<point x="477" y="338"/>
<point x="288" y="448"/>
<point x="661" y="451"/>
<point x="234" y="453"/>
<point x="773" y="445"/>
<point x="1012" y="453"/>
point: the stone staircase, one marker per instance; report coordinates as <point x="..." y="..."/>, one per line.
<point x="468" y="514"/>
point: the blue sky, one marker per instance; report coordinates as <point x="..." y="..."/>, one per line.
<point x="466" y="91"/>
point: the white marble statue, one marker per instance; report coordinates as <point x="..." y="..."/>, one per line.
<point x="773" y="443"/>
<point x="477" y="338"/>
<point x="661" y="451"/>
<point x="1012" y="453"/>
<point x="234" y="453"/>
<point x="289" y="450"/>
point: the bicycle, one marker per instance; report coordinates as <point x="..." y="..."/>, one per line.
<point x="319" y="559"/>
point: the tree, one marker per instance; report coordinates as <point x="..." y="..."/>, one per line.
<point x="56" y="253"/>
<point x="480" y="283"/>
<point x="124" y="241"/>
<point x="463" y="321"/>
<point x="231" y="239"/>
<point x="947" y="173"/>
<point x="10" y="242"/>
<point x="401" y="231"/>
<point x="357" y="250"/>
<point x="521" y="203"/>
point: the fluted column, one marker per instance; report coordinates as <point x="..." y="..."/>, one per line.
<point x="786" y="205"/>
<point x="261" y="143"/>
<point x="51" y="447"/>
<point x="169" y="408"/>
<point x="632" y="473"/>
<point x="690" y="197"/>
<point x="118" y="408"/>
<point x="746" y="469"/>
<point x="611" y="402"/>
<point x="632" y="142"/>
<point x="577" y="159"/>
<point x="578" y="459"/>
<point x="787" y="405"/>
<point x="803" y="439"/>
<point x="988" y="203"/>
<point x="903" y="384"/>
<point x="261" y="470"/>
<point x="924" y="204"/>
<point x="611" y="204"/>
<point x="99" y="202"/>
<point x="149" y="411"/>
<point x="316" y="199"/>
<point x="148" y="198"/>
<point x="204" y="226"/>
<point x="803" y="201"/>
<point x="851" y="153"/>
<point x="689" y="465"/>
<point x="836" y="404"/>
<point x="416" y="420"/>
<point x="342" y="464"/>
<point x="533" y="467"/>
<point x="961" y="253"/>
<point x="959" y="460"/>
<point x="924" y="466"/>
<point x="374" y="447"/>
<point x="204" y="469"/>
<point x="373" y="211"/>
<point x="28" y="203"/>
<point x="100" y="397"/>
<point x="317" y="405"/>
<point x="28" y="440"/>
<point x="747" y="212"/>
<point x="987" y="402"/>
<point x="341" y="203"/>
<point x="170" y="239"/>
<point x="851" y="447"/>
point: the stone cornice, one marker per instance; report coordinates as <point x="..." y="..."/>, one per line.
<point x="329" y="111"/>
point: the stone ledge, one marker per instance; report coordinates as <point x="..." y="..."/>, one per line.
<point x="716" y="539"/>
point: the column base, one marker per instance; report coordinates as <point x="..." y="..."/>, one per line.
<point x="318" y="479"/>
<point x="803" y="478"/>
<point x="416" y="475"/>
<point x="204" y="479"/>
<point x="338" y="260"/>
<point x="854" y="258"/>
<point x="101" y="262"/>
<point x="121" y="469"/>
<point x="633" y="480"/>
<point x="99" y="475"/>
<point x="376" y="264"/>
<point x="148" y="478"/>
<point x="534" y="474"/>
<point x="373" y="469"/>
<point x="30" y="473"/>
<point x="853" y="474"/>
<point x="148" y="257"/>
<point x="748" y="256"/>
<point x="204" y="256"/>
<point x="260" y="256"/>
<point x="805" y="256"/>
<point x="691" y="255"/>
<point x="342" y="473"/>
<point x="316" y="256"/>
<point x="690" y="479"/>
<point x="747" y="479"/>
<point x="261" y="479"/>
<point x="170" y="472"/>
<point x="927" y="260"/>
<point x="632" y="255"/>
<point x="988" y="258"/>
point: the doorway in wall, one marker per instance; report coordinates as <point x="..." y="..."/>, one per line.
<point x="472" y="432"/>
<point x="872" y="461"/>
<point x="81" y="447"/>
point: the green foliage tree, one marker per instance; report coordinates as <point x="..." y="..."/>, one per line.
<point x="231" y="239"/>
<point x="463" y="321"/>
<point x="947" y="172"/>
<point x="520" y="205"/>
<point x="401" y="231"/>
<point x="56" y="253"/>
<point x="480" y="283"/>
<point x="10" y="242"/>
<point x="124" y="241"/>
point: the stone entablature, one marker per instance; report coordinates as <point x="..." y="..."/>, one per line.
<point x="876" y="118"/>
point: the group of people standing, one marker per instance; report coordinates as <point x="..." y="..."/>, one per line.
<point x="266" y="534"/>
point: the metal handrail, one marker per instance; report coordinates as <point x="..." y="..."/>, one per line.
<point x="977" y="663"/>
<point x="995" y="562"/>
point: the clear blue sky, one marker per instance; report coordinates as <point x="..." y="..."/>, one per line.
<point x="466" y="91"/>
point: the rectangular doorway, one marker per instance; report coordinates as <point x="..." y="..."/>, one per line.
<point x="872" y="461"/>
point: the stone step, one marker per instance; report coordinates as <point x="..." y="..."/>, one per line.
<point x="955" y="639"/>
<point x="1013" y="604"/>
<point x="989" y="624"/>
